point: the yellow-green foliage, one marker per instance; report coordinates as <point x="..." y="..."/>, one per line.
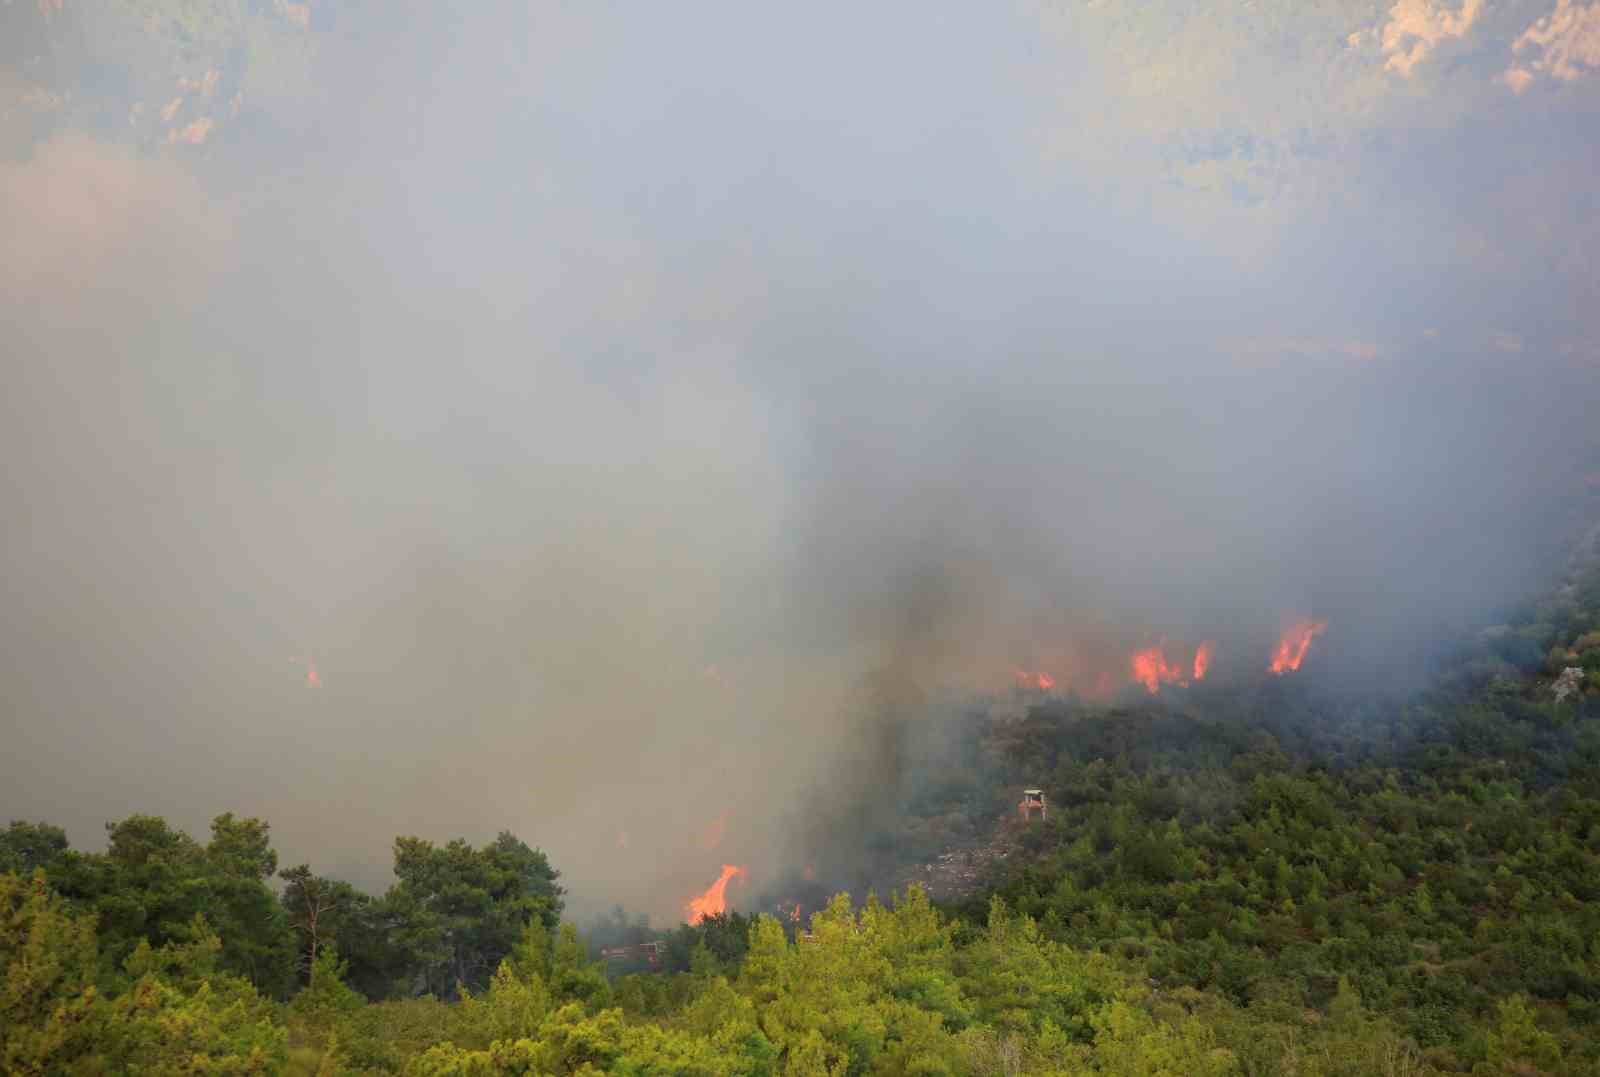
<point x="47" y="992"/>
<point x="880" y="990"/>
<point x="179" y="1016"/>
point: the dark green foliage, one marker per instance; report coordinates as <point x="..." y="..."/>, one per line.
<point x="459" y="911"/>
<point x="330" y="912"/>
<point x="152" y="882"/>
<point x="239" y="861"/>
<point x="1230" y="849"/>
<point x="453" y="915"/>
<point x="147" y="887"/>
<point x="724" y="938"/>
<point x="25" y="847"/>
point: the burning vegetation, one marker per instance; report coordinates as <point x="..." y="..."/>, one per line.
<point x="953" y="865"/>
<point x="313" y="678"/>
<point x="1154" y="667"/>
<point x="1151" y="669"/>
<point x="1294" y="644"/>
<point x="1042" y="682"/>
<point x="714" y="901"/>
<point x="1142" y="794"/>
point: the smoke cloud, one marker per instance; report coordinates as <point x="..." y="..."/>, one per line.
<point x="641" y="416"/>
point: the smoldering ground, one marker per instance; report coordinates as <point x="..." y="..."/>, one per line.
<point x="627" y="412"/>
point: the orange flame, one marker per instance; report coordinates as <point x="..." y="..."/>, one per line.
<point x="1202" y="660"/>
<point x="1292" y="647"/>
<point x="1042" y="681"/>
<point x="714" y="901"/>
<point x="312" y="678"/>
<point x="1151" y="670"/>
<point x="795" y="916"/>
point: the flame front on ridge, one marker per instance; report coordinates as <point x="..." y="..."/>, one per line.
<point x="1150" y="668"/>
<point x="1293" y="644"/>
<point x="1042" y="681"/>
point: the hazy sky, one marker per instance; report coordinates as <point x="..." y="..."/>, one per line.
<point x="596" y="393"/>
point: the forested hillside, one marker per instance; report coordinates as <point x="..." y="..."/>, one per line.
<point x="557" y="537"/>
<point x="1271" y="877"/>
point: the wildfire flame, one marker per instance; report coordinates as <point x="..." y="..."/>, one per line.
<point x="1042" y="681"/>
<point x="1202" y="660"/>
<point x="1150" y="669"/>
<point x="714" y="901"/>
<point x="795" y="916"/>
<point x="1294" y="643"/>
<point x="313" y="680"/>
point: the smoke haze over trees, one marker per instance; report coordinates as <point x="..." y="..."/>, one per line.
<point x="636" y="417"/>
<point x="1274" y="875"/>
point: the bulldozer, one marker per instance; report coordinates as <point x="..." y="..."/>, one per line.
<point x="1031" y="799"/>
